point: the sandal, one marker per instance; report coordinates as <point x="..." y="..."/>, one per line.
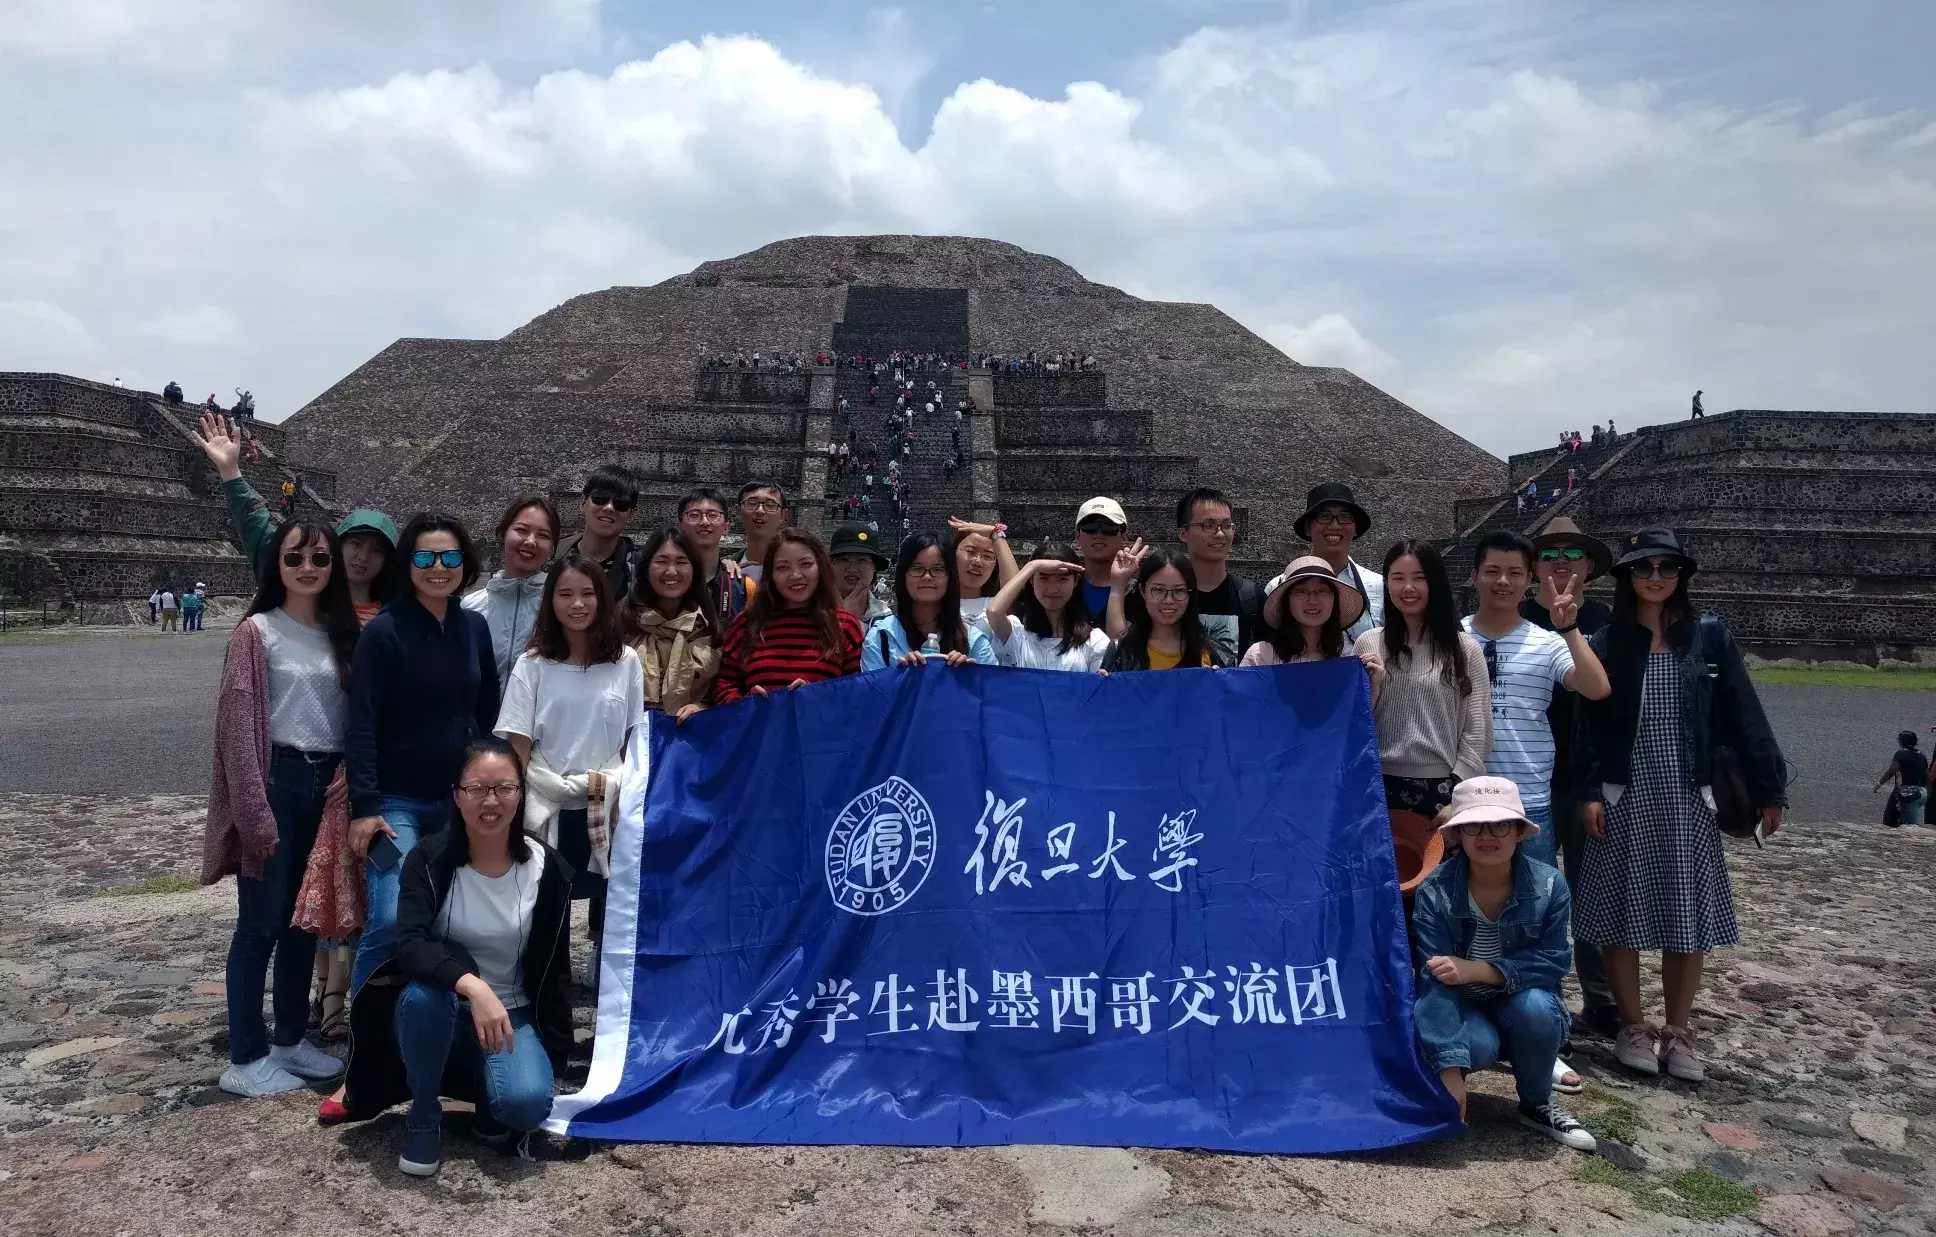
<point x="334" y="1024"/>
<point x="1561" y="1072"/>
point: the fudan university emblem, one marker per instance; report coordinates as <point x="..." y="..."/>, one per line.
<point x="880" y="849"/>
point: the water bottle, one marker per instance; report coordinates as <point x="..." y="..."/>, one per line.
<point x="931" y="647"/>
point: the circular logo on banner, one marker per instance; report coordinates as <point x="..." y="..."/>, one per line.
<point x="880" y="849"/>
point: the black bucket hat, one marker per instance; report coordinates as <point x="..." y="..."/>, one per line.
<point x="1653" y="543"/>
<point x="1331" y="492"/>
<point x="858" y="539"/>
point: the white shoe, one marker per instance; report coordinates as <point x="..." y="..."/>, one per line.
<point x="1560" y="1070"/>
<point x="258" y="1078"/>
<point x="1557" y="1124"/>
<point x="306" y="1060"/>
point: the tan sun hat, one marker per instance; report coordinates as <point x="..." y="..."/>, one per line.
<point x="1480" y="799"/>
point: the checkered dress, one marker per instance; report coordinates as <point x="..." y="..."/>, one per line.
<point x="1657" y="880"/>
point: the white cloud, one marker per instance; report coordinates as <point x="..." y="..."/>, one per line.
<point x="40" y="335"/>
<point x="196" y="327"/>
<point x="1530" y="243"/>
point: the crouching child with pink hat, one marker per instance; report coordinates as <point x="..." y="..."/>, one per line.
<point x="1489" y="928"/>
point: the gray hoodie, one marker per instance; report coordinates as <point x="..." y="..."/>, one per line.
<point x="510" y="608"/>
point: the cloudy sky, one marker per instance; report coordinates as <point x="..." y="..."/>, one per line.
<point x="1518" y="215"/>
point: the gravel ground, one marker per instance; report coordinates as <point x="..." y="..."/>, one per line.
<point x="132" y="713"/>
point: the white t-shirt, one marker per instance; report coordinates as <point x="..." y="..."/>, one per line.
<point x="1531" y="661"/>
<point x="577" y="717"/>
<point x="168" y="601"/>
<point x="491" y="917"/>
<point x="1027" y="651"/>
<point x="307" y="703"/>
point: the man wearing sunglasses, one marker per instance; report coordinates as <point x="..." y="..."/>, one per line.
<point x="611" y="499"/>
<point x="1566" y="560"/>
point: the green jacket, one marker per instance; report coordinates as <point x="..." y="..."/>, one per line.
<point x="258" y="528"/>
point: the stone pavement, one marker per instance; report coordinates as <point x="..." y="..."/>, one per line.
<point x="1820" y="1118"/>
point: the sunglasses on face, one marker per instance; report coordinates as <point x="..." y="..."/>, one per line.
<point x="1649" y="570"/>
<point x="1492" y="828"/>
<point x="1568" y="553"/>
<point x="317" y="558"/>
<point x="1098" y="528"/>
<point x="424" y="560"/>
<point x="599" y="498"/>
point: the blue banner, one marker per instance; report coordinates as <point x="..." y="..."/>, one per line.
<point x="960" y="907"/>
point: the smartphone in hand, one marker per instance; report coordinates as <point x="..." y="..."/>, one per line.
<point x="384" y="852"/>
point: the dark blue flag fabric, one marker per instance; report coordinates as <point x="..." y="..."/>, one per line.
<point x="969" y="906"/>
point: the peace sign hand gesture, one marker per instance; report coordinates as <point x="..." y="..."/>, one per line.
<point x="1563" y="607"/>
<point x="1128" y="560"/>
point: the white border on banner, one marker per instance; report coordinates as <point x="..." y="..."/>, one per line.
<point x="618" y="954"/>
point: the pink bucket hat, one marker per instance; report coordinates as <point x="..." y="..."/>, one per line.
<point x="1480" y="799"/>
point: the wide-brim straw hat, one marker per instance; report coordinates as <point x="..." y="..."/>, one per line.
<point x="1561" y="532"/>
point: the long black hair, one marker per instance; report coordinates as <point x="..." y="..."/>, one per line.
<point x="1678" y="608"/>
<point x="548" y="639"/>
<point x="1075" y="616"/>
<point x="948" y="625"/>
<point x="1133" y="648"/>
<point x="952" y="548"/>
<point x="642" y="598"/>
<point x="332" y="607"/>
<point x="1441" y="615"/>
<point x="1288" y="641"/>
<point x="458" y="846"/>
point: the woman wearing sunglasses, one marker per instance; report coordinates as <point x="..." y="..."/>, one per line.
<point x="927" y="613"/>
<point x="1653" y="876"/>
<point x="1040" y="620"/>
<point x="1429" y="690"/>
<point x="424" y="687"/>
<point x="279" y="725"/>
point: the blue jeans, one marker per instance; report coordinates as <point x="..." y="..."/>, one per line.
<point x="434" y="1025"/>
<point x="264" y="906"/>
<point x="1544" y="845"/>
<point x="1912" y="805"/>
<point x="1526" y="1028"/>
<point x="413" y="820"/>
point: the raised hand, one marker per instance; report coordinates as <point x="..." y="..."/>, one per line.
<point x="960" y="525"/>
<point x="223" y="449"/>
<point x="1128" y="560"/>
<point x="1563" y="607"/>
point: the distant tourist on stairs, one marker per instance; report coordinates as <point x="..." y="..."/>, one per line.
<point x="288" y="498"/>
<point x="154" y="607"/>
<point x="1232" y="609"/>
<point x="702" y="518"/>
<point x="1332" y="522"/>
<point x="511" y="598"/>
<point x="172" y="393"/>
<point x="1698" y="412"/>
<point x="1102" y="531"/>
<point x="244" y="405"/>
<point x="611" y="499"/>
<point x="762" y="514"/>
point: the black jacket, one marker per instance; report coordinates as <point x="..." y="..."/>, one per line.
<point x="1718" y="706"/>
<point x="420" y="691"/>
<point x="376" y="1079"/>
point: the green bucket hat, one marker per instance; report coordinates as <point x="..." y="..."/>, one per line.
<point x="368" y="520"/>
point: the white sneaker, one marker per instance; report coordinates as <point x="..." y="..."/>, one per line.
<point x="258" y="1078"/>
<point x="306" y="1060"/>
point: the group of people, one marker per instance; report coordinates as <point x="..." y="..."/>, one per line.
<point x="174" y="609"/>
<point x="418" y="763"/>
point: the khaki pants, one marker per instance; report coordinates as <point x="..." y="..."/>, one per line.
<point x="168" y="619"/>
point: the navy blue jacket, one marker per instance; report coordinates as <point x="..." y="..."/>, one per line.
<point x="420" y="692"/>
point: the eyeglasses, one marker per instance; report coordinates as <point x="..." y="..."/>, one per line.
<point x="761" y="504"/>
<point x="1167" y="594"/>
<point x="602" y="498"/>
<point x="1491" y="648"/>
<point x="1493" y="828"/>
<point x="1646" y="570"/>
<point x="424" y="560"/>
<point x="478" y="792"/>
<point x="1553" y="554"/>
<point x="1211" y="528"/>
<point x="927" y="573"/>
<point x="704" y="515"/>
<point x="317" y="558"/>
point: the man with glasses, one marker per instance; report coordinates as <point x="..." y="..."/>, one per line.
<point x="1332" y="522"/>
<point x="762" y="514"/>
<point x="611" y="499"/>
<point x="1102" y="529"/>
<point x="1232" y="608"/>
<point x="1566" y="560"/>
<point x="702" y="518"/>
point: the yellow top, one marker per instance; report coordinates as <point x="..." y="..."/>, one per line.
<point x="1159" y="660"/>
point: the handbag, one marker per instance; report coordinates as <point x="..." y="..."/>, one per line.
<point x="1735" y="813"/>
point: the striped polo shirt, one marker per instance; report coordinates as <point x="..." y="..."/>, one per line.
<point x="788" y="648"/>
<point x="1531" y="663"/>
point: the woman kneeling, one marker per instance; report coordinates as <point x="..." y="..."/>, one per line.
<point x="481" y="939"/>
<point x="1489" y="928"/>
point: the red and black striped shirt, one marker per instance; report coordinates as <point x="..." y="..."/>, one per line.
<point x="788" y="649"/>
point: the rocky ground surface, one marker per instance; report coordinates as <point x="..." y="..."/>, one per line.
<point x="1820" y="1118"/>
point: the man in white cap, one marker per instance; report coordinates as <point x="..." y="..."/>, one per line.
<point x="1102" y="529"/>
<point x="1491" y="924"/>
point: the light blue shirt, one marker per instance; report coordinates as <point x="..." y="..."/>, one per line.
<point x="980" y="647"/>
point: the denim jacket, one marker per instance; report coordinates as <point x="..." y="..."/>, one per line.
<point x="1532" y="940"/>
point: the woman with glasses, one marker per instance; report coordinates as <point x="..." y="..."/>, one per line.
<point x="927" y="613"/>
<point x="671" y="624"/>
<point x="424" y="686"/>
<point x="1040" y="619"/>
<point x="479" y="993"/>
<point x="573" y="701"/>
<point x="279" y="723"/>
<point x="1653" y="875"/>
<point x="1153" y="599"/>
<point x="1429" y="690"/>
<point x="984" y="562"/>
<point x="794" y="632"/>
<point x="1311" y="629"/>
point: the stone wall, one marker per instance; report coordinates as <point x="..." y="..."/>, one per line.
<point x="1059" y="390"/>
<point x="746" y="386"/>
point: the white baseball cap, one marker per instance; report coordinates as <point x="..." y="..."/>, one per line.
<point x="1108" y="508"/>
